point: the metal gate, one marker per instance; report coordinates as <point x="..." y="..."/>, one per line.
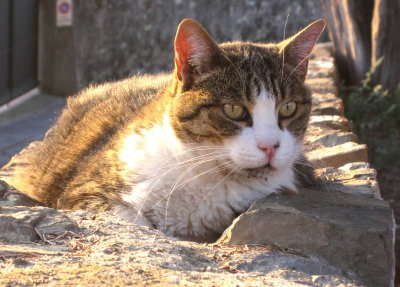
<point x="18" y="47"/>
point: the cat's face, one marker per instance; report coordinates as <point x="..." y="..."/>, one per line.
<point x="244" y="98"/>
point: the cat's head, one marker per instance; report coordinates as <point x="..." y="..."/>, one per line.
<point x="249" y="99"/>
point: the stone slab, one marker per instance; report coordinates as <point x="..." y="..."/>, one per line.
<point x="353" y="233"/>
<point x="327" y="104"/>
<point x="322" y="85"/>
<point x="113" y="252"/>
<point x="355" y="178"/>
<point x="333" y="122"/>
<point x="28" y="224"/>
<point x="330" y="139"/>
<point x="338" y="155"/>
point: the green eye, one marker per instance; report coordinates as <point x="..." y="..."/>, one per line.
<point x="235" y="112"/>
<point x="287" y="110"/>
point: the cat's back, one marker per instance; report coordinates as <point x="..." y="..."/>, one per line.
<point x="79" y="140"/>
<point x="112" y="98"/>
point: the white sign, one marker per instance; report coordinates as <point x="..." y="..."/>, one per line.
<point x="64" y="13"/>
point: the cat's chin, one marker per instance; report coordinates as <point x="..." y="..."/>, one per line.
<point x="262" y="172"/>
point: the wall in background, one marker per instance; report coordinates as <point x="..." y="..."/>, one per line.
<point x="114" y="39"/>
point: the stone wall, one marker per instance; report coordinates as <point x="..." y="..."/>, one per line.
<point x="113" y="39"/>
<point x="341" y="234"/>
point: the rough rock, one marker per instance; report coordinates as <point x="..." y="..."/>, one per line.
<point x="355" y="178"/>
<point x="323" y="66"/>
<point x="333" y="122"/>
<point x="327" y="104"/>
<point x="338" y="155"/>
<point x="330" y="139"/>
<point x="112" y="252"/>
<point x="355" y="234"/>
<point x="322" y="85"/>
<point x="26" y="224"/>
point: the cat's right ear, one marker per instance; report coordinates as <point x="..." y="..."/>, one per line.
<point x="196" y="52"/>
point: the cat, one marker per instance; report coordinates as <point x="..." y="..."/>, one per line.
<point x="185" y="152"/>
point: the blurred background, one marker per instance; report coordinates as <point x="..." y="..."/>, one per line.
<point x="63" y="46"/>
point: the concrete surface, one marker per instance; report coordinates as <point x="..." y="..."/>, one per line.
<point x="26" y="122"/>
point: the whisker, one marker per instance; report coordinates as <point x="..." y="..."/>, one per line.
<point x="283" y="51"/>
<point x="175" y="167"/>
<point x="174" y="186"/>
<point x="192" y="159"/>
<point x="313" y="165"/>
<point x="191" y="168"/>
<point x="298" y="65"/>
<point x="219" y="182"/>
<point x="217" y="168"/>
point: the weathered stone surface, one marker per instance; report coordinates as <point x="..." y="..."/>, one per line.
<point x="323" y="67"/>
<point x="330" y="139"/>
<point x="322" y="85"/>
<point x="31" y="250"/>
<point x="27" y="224"/>
<point x="338" y="155"/>
<point x="333" y="122"/>
<point x="119" y="253"/>
<point x="355" y="234"/>
<point x="355" y="178"/>
<point x="327" y="104"/>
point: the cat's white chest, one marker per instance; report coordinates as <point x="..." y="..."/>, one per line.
<point x="206" y="205"/>
<point x="182" y="190"/>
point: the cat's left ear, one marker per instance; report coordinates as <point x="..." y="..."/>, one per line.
<point x="196" y="52"/>
<point x="298" y="48"/>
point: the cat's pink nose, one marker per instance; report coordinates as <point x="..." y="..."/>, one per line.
<point x="269" y="150"/>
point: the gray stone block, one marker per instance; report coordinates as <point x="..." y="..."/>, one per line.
<point x="114" y="252"/>
<point x="333" y="122"/>
<point x="338" y="155"/>
<point x="26" y="224"/>
<point x="356" y="178"/>
<point x="331" y="139"/>
<point x="355" y="234"/>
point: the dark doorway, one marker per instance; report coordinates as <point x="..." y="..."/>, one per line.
<point x="18" y="47"/>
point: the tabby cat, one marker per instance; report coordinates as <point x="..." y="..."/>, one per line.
<point x="184" y="153"/>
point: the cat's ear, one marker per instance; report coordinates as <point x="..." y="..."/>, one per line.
<point x="195" y="51"/>
<point x="298" y="48"/>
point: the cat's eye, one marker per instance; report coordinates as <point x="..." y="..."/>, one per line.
<point x="235" y="112"/>
<point x="287" y="110"/>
